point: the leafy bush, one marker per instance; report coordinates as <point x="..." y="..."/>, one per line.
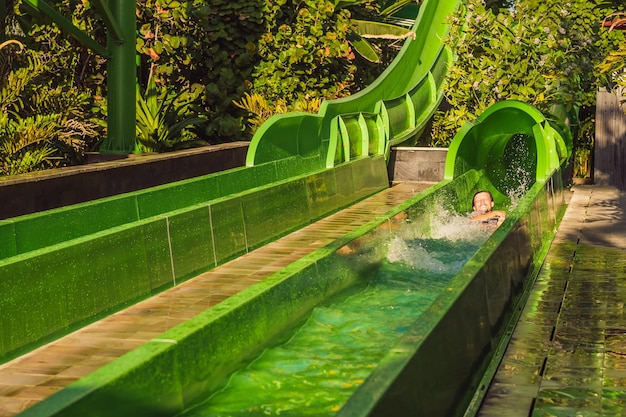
<point x="164" y="123"/>
<point x="260" y="110"/>
<point x="540" y="52"/>
<point x="304" y="51"/>
<point x="41" y="125"/>
<point x="318" y="49"/>
<point x="583" y="148"/>
<point x="224" y="49"/>
<point x="614" y="65"/>
<point x="196" y="44"/>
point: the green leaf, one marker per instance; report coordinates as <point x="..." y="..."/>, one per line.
<point x="363" y="47"/>
<point x="378" y="30"/>
<point x="395" y="7"/>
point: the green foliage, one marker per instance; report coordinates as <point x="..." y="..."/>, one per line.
<point x="304" y="51"/>
<point x="308" y="49"/>
<point x="362" y="30"/>
<point x="540" y="52"/>
<point x="40" y="125"/>
<point x="260" y="110"/>
<point x="367" y="29"/>
<point x="614" y="65"/>
<point x="297" y="52"/>
<point x="583" y="147"/>
<point x="163" y="123"/>
<point x="392" y="7"/>
<point x="213" y="45"/>
<point x="69" y="61"/>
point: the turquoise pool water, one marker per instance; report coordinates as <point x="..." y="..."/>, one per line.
<point x="315" y="368"/>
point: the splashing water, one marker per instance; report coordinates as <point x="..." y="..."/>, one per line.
<point x="316" y="369"/>
<point x="521" y="158"/>
<point x="428" y="249"/>
<point x="444" y="223"/>
<point x="524" y="183"/>
<point x="418" y="256"/>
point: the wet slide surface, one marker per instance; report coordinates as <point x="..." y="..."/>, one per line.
<point x="314" y="368"/>
<point x="567" y="355"/>
<point x="35" y="376"/>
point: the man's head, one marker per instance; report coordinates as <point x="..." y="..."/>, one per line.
<point x="482" y="202"/>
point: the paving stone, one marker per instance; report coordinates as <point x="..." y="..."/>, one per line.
<point x="585" y="366"/>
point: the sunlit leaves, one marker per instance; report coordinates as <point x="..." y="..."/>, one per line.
<point x="38" y="119"/>
<point x="305" y="52"/>
<point x="541" y="51"/>
<point x="162" y="120"/>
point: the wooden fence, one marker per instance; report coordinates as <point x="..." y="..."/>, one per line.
<point x="610" y="142"/>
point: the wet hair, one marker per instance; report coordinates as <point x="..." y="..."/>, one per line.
<point x="481" y="191"/>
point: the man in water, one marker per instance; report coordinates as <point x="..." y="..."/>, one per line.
<point x="482" y="204"/>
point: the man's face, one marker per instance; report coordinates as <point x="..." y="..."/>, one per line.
<point x="482" y="203"/>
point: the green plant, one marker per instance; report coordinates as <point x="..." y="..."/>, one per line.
<point x="70" y="63"/>
<point x="12" y="41"/>
<point x="582" y="163"/>
<point x="615" y="63"/>
<point x="163" y="123"/>
<point x="308" y="48"/>
<point x="304" y="51"/>
<point x="212" y="45"/>
<point x="260" y="110"/>
<point x="184" y="43"/>
<point x="539" y="52"/>
<point x="583" y="148"/>
<point x="40" y="126"/>
<point x="362" y="30"/>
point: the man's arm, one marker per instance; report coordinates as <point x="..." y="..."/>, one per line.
<point x="499" y="215"/>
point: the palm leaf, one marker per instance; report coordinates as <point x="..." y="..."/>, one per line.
<point x="12" y="41"/>
<point x="161" y="121"/>
<point x="394" y="7"/>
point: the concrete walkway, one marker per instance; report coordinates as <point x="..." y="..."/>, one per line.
<point x="35" y="376"/>
<point x="567" y="355"/>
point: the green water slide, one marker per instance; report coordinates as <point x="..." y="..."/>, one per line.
<point x="317" y="163"/>
<point x="64" y="268"/>
<point x="145" y="241"/>
<point x="510" y="134"/>
<point x="435" y="368"/>
<point x="391" y="111"/>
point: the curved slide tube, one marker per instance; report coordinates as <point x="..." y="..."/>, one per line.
<point x="510" y="134"/>
<point x="395" y="108"/>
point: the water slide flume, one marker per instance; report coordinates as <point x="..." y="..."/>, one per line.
<point x="142" y="242"/>
<point x="306" y="166"/>
<point x="441" y="366"/>
<point x="392" y="110"/>
<point x="438" y="365"/>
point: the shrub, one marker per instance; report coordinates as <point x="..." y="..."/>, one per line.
<point x="41" y="125"/>
<point x="540" y="52"/>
